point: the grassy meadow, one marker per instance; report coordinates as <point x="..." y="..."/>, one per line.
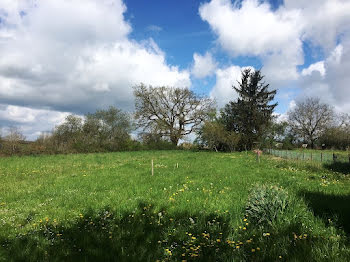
<point x="198" y="206"/>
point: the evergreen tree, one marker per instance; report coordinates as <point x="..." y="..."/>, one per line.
<point x="251" y="114"/>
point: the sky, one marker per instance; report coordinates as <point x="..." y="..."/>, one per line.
<point x="60" y="57"/>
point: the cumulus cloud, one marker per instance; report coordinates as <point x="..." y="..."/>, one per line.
<point x="203" y="66"/>
<point x="276" y="37"/>
<point x="323" y="20"/>
<point x="76" y="56"/>
<point x="332" y="86"/>
<point x="226" y="78"/>
<point x="316" y="67"/>
<point x="252" y="28"/>
<point x="30" y="121"/>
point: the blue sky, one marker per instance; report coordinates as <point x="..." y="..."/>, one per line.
<point x="61" y="57"/>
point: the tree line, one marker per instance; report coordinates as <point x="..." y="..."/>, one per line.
<point x="164" y="116"/>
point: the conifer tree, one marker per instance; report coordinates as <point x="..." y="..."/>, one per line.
<point x="251" y="114"/>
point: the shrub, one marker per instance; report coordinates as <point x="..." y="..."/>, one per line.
<point x="265" y="203"/>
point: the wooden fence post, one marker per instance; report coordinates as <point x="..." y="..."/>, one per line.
<point x="152" y="167"/>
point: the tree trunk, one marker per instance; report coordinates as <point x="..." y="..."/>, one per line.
<point x="174" y="140"/>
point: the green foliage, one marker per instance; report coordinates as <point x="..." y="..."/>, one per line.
<point x="265" y="203"/>
<point x="336" y="137"/>
<point x="251" y="114"/>
<point x="103" y="131"/>
<point x="214" y="136"/>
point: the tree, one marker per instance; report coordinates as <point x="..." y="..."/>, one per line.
<point x="251" y="114"/>
<point x="214" y="135"/>
<point x="278" y="134"/>
<point x="108" y="129"/>
<point x="309" y="119"/>
<point x="170" y="112"/>
<point x="338" y="135"/>
<point x="68" y="135"/>
<point x="14" y="137"/>
<point x="103" y="130"/>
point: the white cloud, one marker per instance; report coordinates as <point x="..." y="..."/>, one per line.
<point x="253" y="29"/>
<point x="203" y="66"/>
<point x="154" y="28"/>
<point x="73" y="56"/>
<point x="226" y="78"/>
<point x="30" y="121"/>
<point x="323" y="20"/>
<point x="316" y="67"/>
<point x="333" y="86"/>
<point x="76" y="56"/>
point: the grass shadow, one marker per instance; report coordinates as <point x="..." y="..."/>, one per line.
<point x="147" y="234"/>
<point x="340" y="167"/>
<point x="331" y="208"/>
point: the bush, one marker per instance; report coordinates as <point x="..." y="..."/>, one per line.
<point x="265" y="203"/>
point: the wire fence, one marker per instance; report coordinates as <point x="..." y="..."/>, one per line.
<point x="304" y="155"/>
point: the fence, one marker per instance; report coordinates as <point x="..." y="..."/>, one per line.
<point x="313" y="156"/>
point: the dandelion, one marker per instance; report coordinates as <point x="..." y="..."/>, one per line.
<point x="253" y="250"/>
<point x="258" y="248"/>
<point x="244" y="228"/>
<point x="280" y="257"/>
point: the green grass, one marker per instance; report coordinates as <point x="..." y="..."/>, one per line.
<point x="105" y="207"/>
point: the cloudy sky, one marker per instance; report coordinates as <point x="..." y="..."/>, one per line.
<point x="74" y="56"/>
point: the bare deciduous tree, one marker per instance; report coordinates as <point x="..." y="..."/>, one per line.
<point x="310" y="118"/>
<point x="13" y="137"/>
<point x="170" y="112"/>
